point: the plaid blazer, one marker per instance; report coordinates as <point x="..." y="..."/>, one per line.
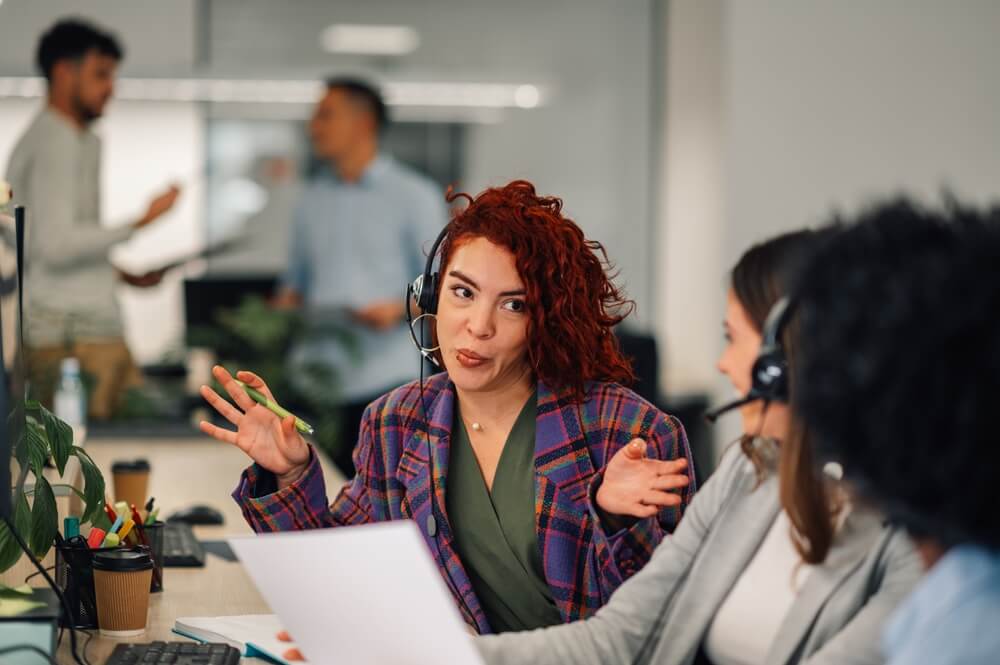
<point x="583" y="564"/>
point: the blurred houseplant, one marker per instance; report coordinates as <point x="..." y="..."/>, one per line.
<point x="260" y="338"/>
<point x="45" y="437"/>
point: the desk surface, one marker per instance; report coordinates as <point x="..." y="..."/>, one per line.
<point x="187" y="472"/>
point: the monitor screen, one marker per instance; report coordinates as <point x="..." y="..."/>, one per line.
<point x="12" y="388"/>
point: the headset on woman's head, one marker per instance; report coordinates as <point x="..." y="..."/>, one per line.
<point x="424" y="290"/>
<point x="769" y="376"/>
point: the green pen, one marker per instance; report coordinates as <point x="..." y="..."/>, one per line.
<point x="275" y="408"/>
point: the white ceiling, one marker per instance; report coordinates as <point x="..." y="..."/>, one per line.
<point x="158" y="35"/>
<point x="538" y="41"/>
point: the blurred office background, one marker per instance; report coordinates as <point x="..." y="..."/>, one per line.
<point x="678" y="132"/>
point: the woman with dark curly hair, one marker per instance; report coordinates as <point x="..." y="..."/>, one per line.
<point x="540" y="482"/>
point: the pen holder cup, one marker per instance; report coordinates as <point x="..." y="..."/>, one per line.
<point x="75" y="576"/>
<point x="154" y="537"/>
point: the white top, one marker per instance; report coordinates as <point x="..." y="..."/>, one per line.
<point x="54" y="171"/>
<point x="748" y="621"/>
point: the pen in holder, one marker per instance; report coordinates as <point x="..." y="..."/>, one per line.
<point x="153" y="534"/>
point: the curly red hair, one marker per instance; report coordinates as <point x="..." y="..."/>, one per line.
<point x="572" y="301"/>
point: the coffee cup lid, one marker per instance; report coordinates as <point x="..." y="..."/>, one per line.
<point x="124" y="466"/>
<point x="123" y="560"/>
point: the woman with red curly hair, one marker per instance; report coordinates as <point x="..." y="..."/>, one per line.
<point x="540" y="482"/>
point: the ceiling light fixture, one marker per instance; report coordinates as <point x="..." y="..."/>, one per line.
<point x="369" y="39"/>
<point x="304" y="92"/>
<point x="527" y="96"/>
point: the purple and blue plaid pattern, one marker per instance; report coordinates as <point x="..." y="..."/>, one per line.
<point x="583" y="564"/>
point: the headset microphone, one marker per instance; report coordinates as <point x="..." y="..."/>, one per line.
<point x="713" y="415"/>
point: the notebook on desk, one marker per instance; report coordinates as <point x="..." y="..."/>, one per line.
<point x="254" y="635"/>
<point x="362" y="595"/>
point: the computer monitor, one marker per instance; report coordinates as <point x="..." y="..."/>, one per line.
<point x="12" y="386"/>
<point x="205" y="296"/>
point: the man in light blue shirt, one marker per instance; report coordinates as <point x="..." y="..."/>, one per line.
<point x="899" y="378"/>
<point x="358" y="237"/>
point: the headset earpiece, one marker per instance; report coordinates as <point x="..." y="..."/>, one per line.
<point x="425" y="286"/>
<point x="769" y="376"/>
<point x="425" y="292"/>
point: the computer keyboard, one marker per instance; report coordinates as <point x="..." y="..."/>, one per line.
<point x="180" y="547"/>
<point x="174" y="653"/>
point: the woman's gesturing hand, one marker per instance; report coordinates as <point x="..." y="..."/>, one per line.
<point x="270" y="441"/>
<point x="292" y="654"/>
<point x="635" y="486"/>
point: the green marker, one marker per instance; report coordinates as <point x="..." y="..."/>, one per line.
<point x="275" y="408"/>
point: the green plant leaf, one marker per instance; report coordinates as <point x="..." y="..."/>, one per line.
<point x="60" y="436"/>
<point x="44" y="518"/>
<point x="37" y="447"/>
<point x="93" y="485"/>
<point x="10" y="551"/>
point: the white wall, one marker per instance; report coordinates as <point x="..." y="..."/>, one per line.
<point x="590" y="143"/>
<point x="832" y="102"/>
<point x="691" y="201"/>
<point x="147" y="146"/>
<point x="814" y="106"/>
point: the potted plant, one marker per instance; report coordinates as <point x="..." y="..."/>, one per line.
<point x="34" y="514"/>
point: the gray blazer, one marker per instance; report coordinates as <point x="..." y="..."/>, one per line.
<point x="661" y="615"/>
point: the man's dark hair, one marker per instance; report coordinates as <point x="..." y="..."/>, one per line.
<point x="72" y="39"/>
<point x="365" y="95"/>
<point x="899" y="368"/>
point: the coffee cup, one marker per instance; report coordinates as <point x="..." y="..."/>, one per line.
<point x="121" y="585"/>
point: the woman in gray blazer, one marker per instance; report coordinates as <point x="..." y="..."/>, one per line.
<point x="771" y="564"/>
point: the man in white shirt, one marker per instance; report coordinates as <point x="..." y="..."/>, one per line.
<point x="54" y="171"/>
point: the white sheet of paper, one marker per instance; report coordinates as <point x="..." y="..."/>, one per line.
<point x="361" y="595"/>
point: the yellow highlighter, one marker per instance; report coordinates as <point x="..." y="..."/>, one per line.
<point x="126" y="528"/>
<point x="111" y="540"/>
<point x="275" y="408"/>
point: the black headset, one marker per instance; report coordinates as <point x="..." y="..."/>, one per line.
<point x="424" y="290"/>
<point x="769" y="376"/>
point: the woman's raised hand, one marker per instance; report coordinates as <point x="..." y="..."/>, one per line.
<point x="270" y="441"/>
<point x="635" y="486"/>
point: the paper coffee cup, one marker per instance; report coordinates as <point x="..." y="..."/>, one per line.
<point x="131" y="480"/>
<point x="121" y="585"/>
